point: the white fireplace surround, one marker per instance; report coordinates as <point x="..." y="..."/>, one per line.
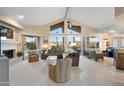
<point x="9" y="45"/>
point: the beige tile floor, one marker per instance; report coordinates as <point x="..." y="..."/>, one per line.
<point x="89" y="73"/>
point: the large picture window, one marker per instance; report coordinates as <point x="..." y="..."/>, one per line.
<point x="31" y="42"/>
<point x="57" y="28"/>
<point x="93" y="42"/>
<point x="118" y="42"/>
<point x="74" y="42"/>
<point x="56" y="42"/>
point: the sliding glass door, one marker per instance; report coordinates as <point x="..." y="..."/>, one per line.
<point x="93" y="42"/>
<point x="56" y="42"/>
<point x="118" y="42"/>
<point x="74" y="42"/>
<point x="30" y="43"/>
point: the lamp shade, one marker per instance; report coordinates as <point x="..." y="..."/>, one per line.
<point x="73" y="44"/>
<point x="45" y="46"/>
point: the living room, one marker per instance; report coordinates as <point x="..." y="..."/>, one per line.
<point x="64" y="46"/>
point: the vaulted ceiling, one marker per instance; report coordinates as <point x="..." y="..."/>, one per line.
<point x="97" y="17"/>
<point x="34" y="16"/>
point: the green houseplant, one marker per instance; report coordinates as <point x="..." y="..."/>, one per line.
<point x="31" y="46"/>
<point x="20" y="56"/>
<point x="19" y="53"/>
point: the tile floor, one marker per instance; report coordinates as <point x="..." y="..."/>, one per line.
<point x="89" y="73"/>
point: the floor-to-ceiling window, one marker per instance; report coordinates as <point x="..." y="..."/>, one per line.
<point x="31" y="43"/>
<point x="74" y="39"/>
<point x="118" y="42"/>
<point x="93" y="42"/>
<point x="56" y="41"/>
<point x="74" y="42"/>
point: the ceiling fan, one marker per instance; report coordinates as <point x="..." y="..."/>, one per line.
<point x="70" y="24"/>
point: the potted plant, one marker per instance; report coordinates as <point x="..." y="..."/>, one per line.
<point x="31" y="46"/>
<point x="19" y="55"/>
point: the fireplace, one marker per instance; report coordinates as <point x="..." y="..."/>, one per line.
<point x="8" y="53"/>
<point x="9" y="48"/>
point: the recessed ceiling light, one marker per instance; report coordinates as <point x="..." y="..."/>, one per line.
<point x="20" y="16"/>
<point x="112" y="31"/>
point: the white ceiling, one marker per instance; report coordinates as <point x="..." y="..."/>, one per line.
<point x="34" y="16"/>
<point x="96" y="17"/>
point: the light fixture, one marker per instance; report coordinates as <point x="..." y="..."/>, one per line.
<point x="112" y="31"/>
<point x="45" y="46"/>
<point x="20" y="16"/>
<point x="73" y="44"/>
<point x="69" y="24"/>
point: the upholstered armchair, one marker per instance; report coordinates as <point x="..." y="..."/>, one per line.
<point x="44" y="56"/>
<point x="55" y="51"/>
<point x="92" y="54"/>
<point x="85" y="53"/>
<point x="61" y="71"/>
<point x="95" y="56"/>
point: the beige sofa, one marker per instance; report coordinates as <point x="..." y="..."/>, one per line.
<point x="60" y="72"/>
<point x="55" y="51"/>
<point x="94" y="54"/>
